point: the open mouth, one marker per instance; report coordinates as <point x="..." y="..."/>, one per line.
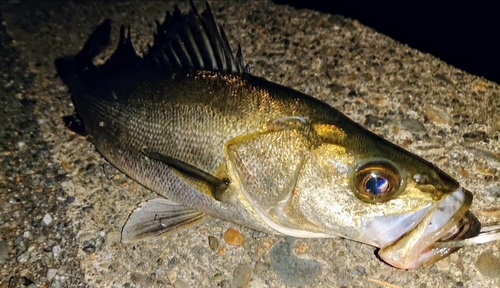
<point x="448" y="228"/>
<point x="447" y="222"/>
<point x="467" y="227"/>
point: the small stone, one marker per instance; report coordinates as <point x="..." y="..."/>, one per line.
<point x="85" y="237"/>
<point x="241" y="276"/>
<point x="437" y="116"/>
<point x="180" y="284"/>
<point x="56" y="251"/>
<point x="47" y="219"/>
<point x="443" y="264"/>
<point x="21" y="145"/>
<point x="225" y="284"/>
<point x="378" y="100"/>
<point x="300" y="249"/>
<point x="480" y="86"/>
<point x="465" y="173"/>
<point x="213" y="243"/>
<point x="24" y="273"/>
<point x="373" y="120"/>
<point x="173" y="262"/>
<point x="221" y="251"/>
<point x="27" y="234"/>
<point x="51" y="273"/>
<point x="488" y="264"/>
<point x="70" y="199"/>
<point x="233" y="237"/>
<point x="112" y="237"/>
<point x="413" y="126"/>
<point x="58" y="282"/>
<point x="217" y="278"/>
<point x="65" y="165"/>
<point x="474" y="136"/>
<point x="172" y="276"/>
<point x="16" y="214"/>
<point x="23" y="258"/>
<point x="88" y="247"/>
<point x="4" y="250"/>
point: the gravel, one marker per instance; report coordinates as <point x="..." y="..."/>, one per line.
<point x="62" y="206"/>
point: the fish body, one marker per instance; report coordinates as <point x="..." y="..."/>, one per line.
<point x="188" y="121"/>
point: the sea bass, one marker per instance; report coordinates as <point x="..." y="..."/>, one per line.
<point x="187" y="120"/>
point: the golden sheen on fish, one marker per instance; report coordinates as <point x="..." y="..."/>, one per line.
<point x="188" y="121"/>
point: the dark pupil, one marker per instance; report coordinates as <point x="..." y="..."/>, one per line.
<point x="377" y="185"/>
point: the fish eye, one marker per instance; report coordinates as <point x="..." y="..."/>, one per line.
<point x="376" y="181"/>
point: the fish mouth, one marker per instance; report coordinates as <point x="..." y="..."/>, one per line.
<point x="449" y="220"/>
<point x="467" y="227"/>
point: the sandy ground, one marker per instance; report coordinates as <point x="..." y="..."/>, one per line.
<point x="62" y="206"/>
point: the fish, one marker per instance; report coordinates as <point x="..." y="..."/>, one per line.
<point x="188" y="120"/>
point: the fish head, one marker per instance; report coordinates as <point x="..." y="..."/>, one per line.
<point x="370" y="190"/>
<point x="349" y="182"/>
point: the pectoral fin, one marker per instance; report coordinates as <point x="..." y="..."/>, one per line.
<point x="197" y="178"/>
<point x="157" y="217"/>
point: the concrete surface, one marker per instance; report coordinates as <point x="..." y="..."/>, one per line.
<point x="62" y="206"/>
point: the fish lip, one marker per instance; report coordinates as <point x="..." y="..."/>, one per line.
<point x="419" y="247"/>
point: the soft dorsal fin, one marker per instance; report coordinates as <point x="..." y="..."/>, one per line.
<point x="193" y="41"/>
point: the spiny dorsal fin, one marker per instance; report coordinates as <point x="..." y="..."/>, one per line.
<point x="124" y="56"/>
<point x="193" y="41"/>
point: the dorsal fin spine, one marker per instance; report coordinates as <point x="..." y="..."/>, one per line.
<point x="193" y="41"/>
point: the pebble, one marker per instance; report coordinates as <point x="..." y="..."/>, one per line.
<point x="437" y="116"/>
<point x="216" y="279"/>
<point x="172" y="276"/>
<point x="292" y="270"/>
<point x="27" y="234"/>
<point x="300" y="249"/>
<point x="4" y="250"/>
<point x="24" y="273"/>
<point x="142" y="280"/>
<point x="221" y="251"/>
<point x="23" y="258"/>
<point x="225" y="283"/>
<point x="233" y="237"/>
<point x="47" y="219"/>
<point x="21" y="145"/>
<point x="241" y="276"/>
<point x="112" y="237"/>
<point x="51" y="273"/>
<point x="180" y="284"/>
<point x="443" y="264"/>
<point x="88" y="247"/>
<point x="413" y="126"/>
<point x="56" y="251"/>
<point x="58" y="281"/>
<point x="378" y="100"/>
<point x="213" y="243"/>
<point x="474" y="136"/>
<point x="488" y="264"/>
